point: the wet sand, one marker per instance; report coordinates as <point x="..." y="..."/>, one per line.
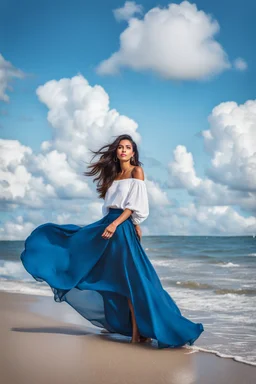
<point x="37" y="347"/>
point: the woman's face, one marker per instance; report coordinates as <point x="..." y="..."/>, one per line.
<point x="124" y="150"/>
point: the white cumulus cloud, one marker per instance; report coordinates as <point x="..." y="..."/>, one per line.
<point x="240" y="64"/>
<point x="231" y="141"/>
<point x="176" y="42"/>
<point x="58" y="173"/>
<point x="16" y="229"/>
<point x="182" y="170"/>
<point x="127" y="11"/>
<point x="49" y="186"/>
<point x="205" y="191"/>
<point x="7" y="73"/>
<point x="230" y="181"/>
<point x="157" y="197"/>
<point x="19" y="186"/>
<point x="81" y="118"/>
<point x="51" y="181"/>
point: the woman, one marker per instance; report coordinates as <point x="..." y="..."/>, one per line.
<point x="101" y="269"/>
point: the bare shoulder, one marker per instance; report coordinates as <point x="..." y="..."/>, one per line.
<point x="138" y="173"/>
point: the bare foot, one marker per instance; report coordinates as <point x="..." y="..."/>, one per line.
<point x="144" y="339"/>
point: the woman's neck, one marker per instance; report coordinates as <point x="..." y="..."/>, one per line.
<point x="126" y="173"/>
<point x="126" y="168"/>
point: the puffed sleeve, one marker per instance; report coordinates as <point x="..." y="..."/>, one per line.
<point x="137" y="201"/>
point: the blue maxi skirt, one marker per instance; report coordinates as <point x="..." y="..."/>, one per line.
<point x="95" y="276"/>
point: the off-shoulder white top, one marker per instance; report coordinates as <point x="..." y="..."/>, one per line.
<point x="128" y="193"/>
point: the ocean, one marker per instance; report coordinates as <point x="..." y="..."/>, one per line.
<point x="211" y="278"/>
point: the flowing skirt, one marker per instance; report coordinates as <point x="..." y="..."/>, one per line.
<point x="95" y="276"/>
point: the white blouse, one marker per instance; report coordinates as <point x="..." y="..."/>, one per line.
<point x="128" y="193"/>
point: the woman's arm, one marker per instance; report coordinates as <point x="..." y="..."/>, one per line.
<point x="124" y="215"/>
<point x="138" y="231"/>
<point x="110" y="229"/>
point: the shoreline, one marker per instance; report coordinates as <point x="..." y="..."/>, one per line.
<point x="66" y="314"/>
<point x="42" y="348"/>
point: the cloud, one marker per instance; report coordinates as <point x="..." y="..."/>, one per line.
<point x="59" y="174"/>
<point x="157" y="197"/>
<point x="49" y="186"/>
<point x="81" y="118"/>
<point x="19" y="185"/>
<point x="219" y="220"/>
<point x="127" y="11"/>
<point x="240" y="64"/>
<point x="205" y="191"/>
<point x="195" y="220"/>
<point x="7" y="73"/>
<point x="177" y="42"/>
<point x="16" y="230"/>
<point x="51" y="181"/>
<point x="181" y="170"/>
<point x="231" y="143"/>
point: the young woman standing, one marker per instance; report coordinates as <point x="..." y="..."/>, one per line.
<point x="101" y="269"/>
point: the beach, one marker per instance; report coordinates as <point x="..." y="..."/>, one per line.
<point x="212" y="279"/>
<point x="37" y="347"/>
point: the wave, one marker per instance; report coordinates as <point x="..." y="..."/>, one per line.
<point x="205" y="286"/>
<point x="29" y="288"/>
<point x="187" y="284"/>
<point x="239" y="291"/>
<point x="227" y="264"/>
<point x="194" y="285"/>
<point x="239" y="359"/>
<point x="161" y="263"/>
<point x="10" y="268"/>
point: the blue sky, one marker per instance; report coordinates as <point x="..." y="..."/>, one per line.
<point x="52" y="40"/>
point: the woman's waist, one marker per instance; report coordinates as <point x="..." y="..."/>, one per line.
<point x="115" y="211"/>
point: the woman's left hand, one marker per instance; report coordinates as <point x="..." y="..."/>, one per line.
<point x="109" y="231"/>
<point x="138" y="231"/>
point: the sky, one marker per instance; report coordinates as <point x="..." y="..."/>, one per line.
<point x="179" y="77"/>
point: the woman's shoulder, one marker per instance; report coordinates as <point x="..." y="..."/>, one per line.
<point x="138" y="173"/>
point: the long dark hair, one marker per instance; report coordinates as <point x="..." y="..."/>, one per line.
<point x="106" y="167"/>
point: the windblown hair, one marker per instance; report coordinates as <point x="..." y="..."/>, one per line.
<point x="106" y="167"/>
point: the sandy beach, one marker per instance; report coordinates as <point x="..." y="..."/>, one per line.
<point x="38" y="348"/>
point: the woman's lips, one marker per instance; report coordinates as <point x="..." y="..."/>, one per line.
<point x="123" y="155"/>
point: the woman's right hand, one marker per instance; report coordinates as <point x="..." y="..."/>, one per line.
<point x="109" y="231"/>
